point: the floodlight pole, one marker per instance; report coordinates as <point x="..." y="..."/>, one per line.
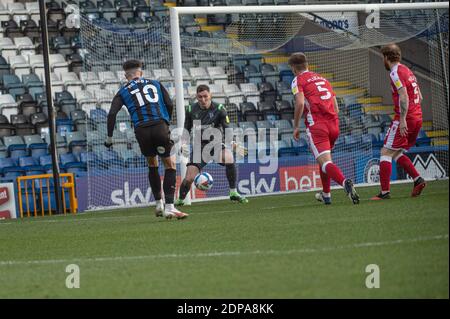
<point x="51" y="114"/>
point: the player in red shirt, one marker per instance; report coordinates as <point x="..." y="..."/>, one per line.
<point x="315" y="98"/>
<point x="406" y="125"/>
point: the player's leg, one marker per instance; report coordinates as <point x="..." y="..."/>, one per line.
<point x="143" y="136"/>
<point x="227" y="160"/>
<point x="155" y="184"/>
<point x="170" y="178"/>
<point x="334" y="172"/>
<point x="403" y="161"/>
<point x="393" y="145"/>
<point x="386" y="156"/>
<point x="321" y="140"/>
<point x="191" y="171"/>
<point x="325" y="195"/>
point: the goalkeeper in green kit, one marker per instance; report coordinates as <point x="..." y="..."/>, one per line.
<point x="210" y="115"/>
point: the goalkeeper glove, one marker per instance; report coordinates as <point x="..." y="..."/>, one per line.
<point x="240" y="150"/>
<point x="184" y="150"/>
<point x="108" y="142"/>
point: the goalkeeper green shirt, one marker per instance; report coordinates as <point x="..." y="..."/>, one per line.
<point x="215" y="116"/>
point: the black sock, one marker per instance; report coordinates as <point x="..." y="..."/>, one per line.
<point x="170" y="179"/>
<point x="184" y="189"/>
<point x="155" y="182"/>
<point x="231" y="175"/>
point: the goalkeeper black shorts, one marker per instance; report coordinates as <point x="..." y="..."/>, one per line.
<point x="212" y="157"/>
<point x="154" y="139"/>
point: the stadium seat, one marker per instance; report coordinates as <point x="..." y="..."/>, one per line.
<point x="217" y="74"/>
<point x="61" y="45"/>
<point x="30" y="27"/>
<point x="301" y="145"/>
<point x="423" y="139"/>
<point x="199" y="75"/>
<point x="30" y="166"/>
<point x="10" y="168"/>
<point x="264" y="125"/>
<point x="267" y="92"/>
<point x="283" y="126"/>
<point x="4" y="68"/>
<point x="69" y="161"/>
<point x="110" y="159"/>
<point x="15" y="146"/>
<point x="269" y="73"/>
<point x="24" y="45"/>
<point x="285" y="73"/>
<point x="34" y="140"/>
<point x="72" y="83"/>
<point x="249" y="112"/>
<point x="8" y="48"/>
<point x="76" y="141"/>
<point x="91" y="81"/>
<point x="250" y="90"/>
<point x="19" y="65"/>
<point x="252" y="74"/>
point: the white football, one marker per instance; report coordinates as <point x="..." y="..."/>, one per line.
<point x="203" y="181"/>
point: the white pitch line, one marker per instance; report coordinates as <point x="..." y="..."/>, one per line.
<point x="90" y="216"/>
<point x="224" y="253"/>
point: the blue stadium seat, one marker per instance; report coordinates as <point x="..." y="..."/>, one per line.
<point x="98" y="116"/>
<point x="30" y="166"/>
<point x="89" y="158"/>
<point x="423" y="139"/>
<point x="64" y="126"/>
<point x="46" y="162"/>
<point x="9" y="167"/>
<point x="252" y="74"/>
<point x="351" y="141"/>
<point x="301" y="145"/>
<point x="111" y="159"/>
<point x="71" y="164"/>
<point x="36" y="146"/>
<point x="15" y="146"/>
<point x="285" y="72"/>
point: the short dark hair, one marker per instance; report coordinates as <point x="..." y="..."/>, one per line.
<point x="132" y="64"/>
<point x="392" y="52"/>
<point x="298" y="61"/>
<point x="202" y="87"/>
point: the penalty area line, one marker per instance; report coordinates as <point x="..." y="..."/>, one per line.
<point x="224" y="253"/>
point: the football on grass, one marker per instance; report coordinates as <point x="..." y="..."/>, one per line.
<point x="203" y="181"/>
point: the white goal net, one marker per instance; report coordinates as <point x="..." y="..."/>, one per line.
<point x="241" y="54"/>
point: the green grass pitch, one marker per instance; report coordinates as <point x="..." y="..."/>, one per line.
<point x="282" y="246"/>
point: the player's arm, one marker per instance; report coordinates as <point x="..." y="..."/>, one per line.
<point x="403" y="101"/>
<point x="167" y="100"/>
<point x="298" y="112"/>
<point x="336" y="105"/>
<point x="185" y="138"/>
<point x="188" y="119"/>
<point x="420" y="96"/>
<point x="225" y="123"/>
<point x="116" y="105"/>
